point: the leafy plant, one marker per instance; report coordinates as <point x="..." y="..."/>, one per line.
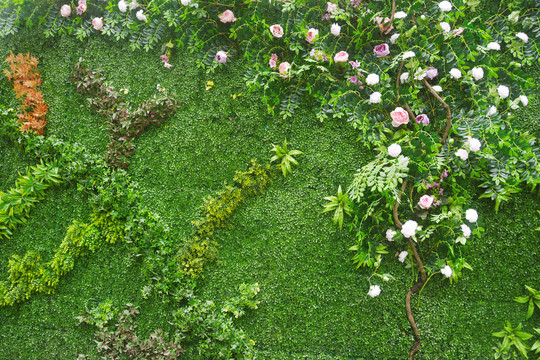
<point x="513" y="337"/>
<point x="98" y="315"/>
<point x="533" y="299"/>
<point x="341" y="204"/>
<point x="286" y="157"/>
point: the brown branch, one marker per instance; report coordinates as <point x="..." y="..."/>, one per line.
<point x="418" y="285"/>
<point x="448" y="112"/>
<point x="411" y="114"/>
<point x="390" y="27"/>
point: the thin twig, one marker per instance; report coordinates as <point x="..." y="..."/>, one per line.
<point x="448" y="112"/>
<point x="390" y="27"/>
<point x="411" y="114"/>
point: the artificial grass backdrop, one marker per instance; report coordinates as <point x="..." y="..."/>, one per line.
<point x="313" y="301"/>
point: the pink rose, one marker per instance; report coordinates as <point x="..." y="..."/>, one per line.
<point x="97" y="23"/>
<point x="276" y="30"/>
<point x="399" y="117"/>
<point x="272" y="63"/>
<point x="81" y="7"/>
<point x="227" y="17"/>
<point x="384" y="25"/>
<point x="221" y="57"/>
<point x="284" y="69"/>
<point x="425" y="202"/>
<point x="312" y="35"/>
<point x="65" y="10"/>
<point x="458" y="31"/>
<point x="341" y="57"/>
<point x="381" y="50"/>
<point x="164" y="58"/>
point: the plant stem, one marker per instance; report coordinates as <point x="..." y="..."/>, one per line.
<point x="448" y="112"/>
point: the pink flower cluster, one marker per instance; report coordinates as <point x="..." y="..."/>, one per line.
<point x="283" y="67"/>
<point x="384" y="24"/>
<point x="165" y="60"/>
<point x="81" y="7"/>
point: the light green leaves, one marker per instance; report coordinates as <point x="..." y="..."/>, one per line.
<point x="286" y="157"/>
<point x="341" y="204"/>
<point x="513" y="337"/>
<point x="533" y="299"/>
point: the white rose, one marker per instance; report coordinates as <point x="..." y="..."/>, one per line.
<point x="400" y="15"/>
<point x="122" y="6"/>
<point x="409" y="228"/>
<point x="375" y="98"/>
<point x="403" y="255"/>
<point x="455" y="73"/>
<point x="394" y="150"/>
<point x="514" y="16"/>
<point x="390" y="234"/>
<point x="335" y="29"/>
<point x="471" y="215"/>
<point x="437" y="88"/>
<point x="403" y="161"/>
<point x="140" y="15"/>
<point x="466" y="230"/>
<point x="492" y="111"/>
<point x="503" y="91"/>
<point x="393" y="38"/>
<point x="477" y="73"/>
<point x="374" y="290"/>
<point x="524" y="37"/>
<point x="408" y="54"/>
<point x="372" y="79"/>
<point x="185" y="2"/>
<point x="134" y="4"/>
<point x="420" y="74"/>
<point x="446" y="271"/>
<point x="404" y="77"/>
<point x="445" y="26"/>
<point x="462" y="154"/>
<point x="524" y="100"/>
<point x="474" y="144"/>
<point x="445" y="6"/>
<point x="494" y="46"/>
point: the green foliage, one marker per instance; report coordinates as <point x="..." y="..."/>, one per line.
<point x="286" y="157"/>
<point x="201" y="248"/>
<point x="29" y="189"/>
<point x="213" y="330"/>
<point x="533" y="299"/>
<point x="98" y="315"/>
<point x="513" y="337"/>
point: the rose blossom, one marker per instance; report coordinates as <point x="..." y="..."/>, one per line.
<point x="503" y="91"/>
<point x="462" y="154"/>
<point x="474" y="144"/>
<point x="466" y="230"/>
<point x="122" y="6"/>
<point x="185" y="2"/>
<point x="422" y="118"/>
<point x="331" y="7"/>
<point x="276" y="30"/>
<point x="400" y="15"/>
<point x="283" y="69"/>
<point x="493" y="46"/>
<point x="408" y="54"/>
<point x="312" y="35"/>
<point x="375" y="98"/>
<point x="437" y="88"/>
<point x="221" y="57"/>
<point x="524" y="100"/>
<point x="374" y="290"/>
<point x="394" y="37"/>
<point x="445" y="26"/>
<point x="273" y="60"/>
<point x="227" y="17"/>
<point x="394" y="150"/>
<point x="134" y="4"/>
<point x="446" y="271"/>
<point x="403" y="255"/>
<point x="97" y="23"/>
<point x="471" y="215"/>
<point x="164" y="58"/>
<point x="404" y="77"/>
<point x="140" y="15"/>
<point x="477" y="73"/>
<point x="455" y="73"/>
<point x="492" y="111"/>
<point x="65" y="10"/>
<point x="372" y="79"/>
<point x="409" y="228"/>
<point x="381" y="50"/>
<point x="445" y="6"/>
<point x="81" y="7"/>
<point x="335" y="29"/>
<point x="431" y="73"/>
<point x="399" y="117"/>
<point x="390" y="234"/>
<point x="458" y="31"/>
<point x="167" y="65"/>
<point x="524" y="37"/>
<point x="384" y="24"/>
<point x="420" y="74"/>
<point x="341" y="57"/>
<point x="425" y="202"/>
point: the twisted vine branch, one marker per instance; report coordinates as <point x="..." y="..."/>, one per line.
<point x="418" y="285"/>
<point x="448" y="112"/>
